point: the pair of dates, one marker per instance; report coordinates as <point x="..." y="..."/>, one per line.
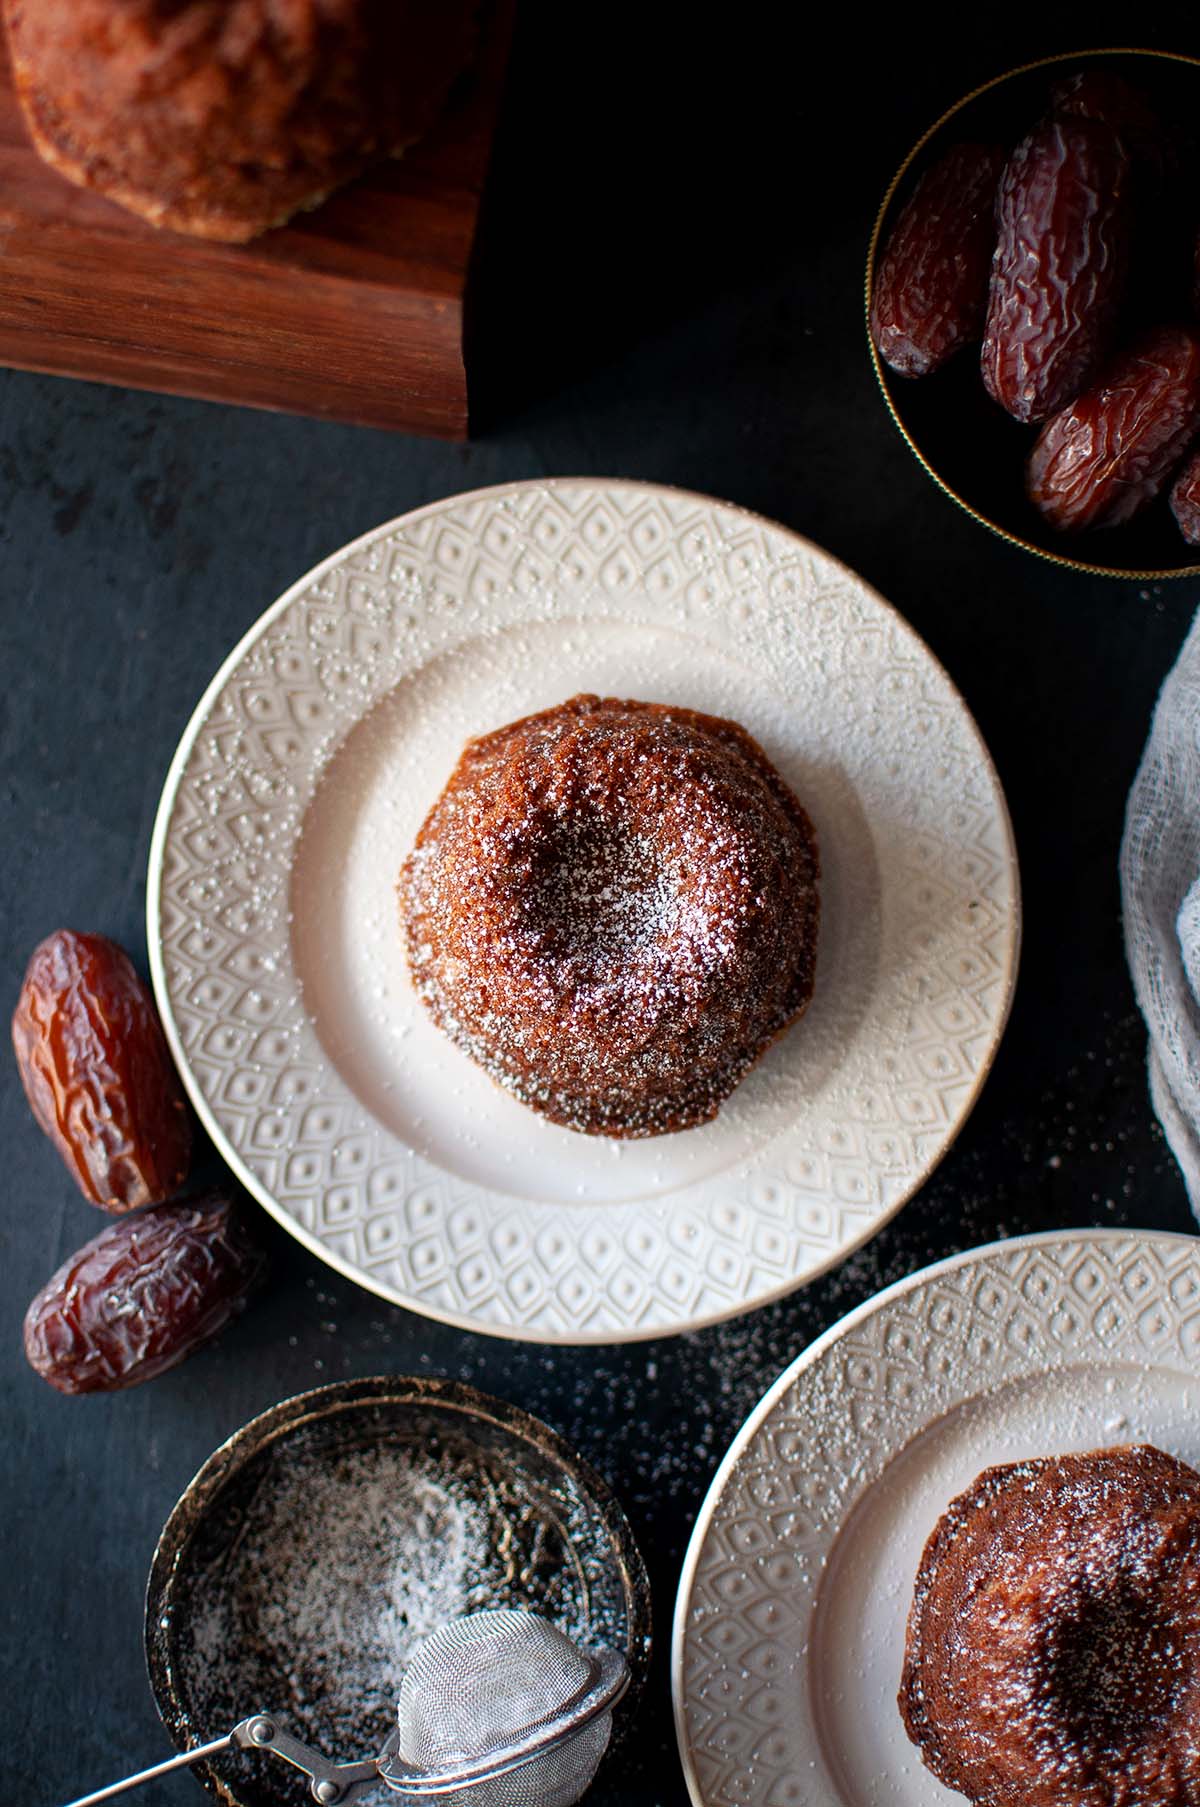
<point x="99" y="1079"/>
<point x="1033" y="255"/>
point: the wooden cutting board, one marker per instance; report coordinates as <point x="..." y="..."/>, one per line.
<point x="354" y="312"/>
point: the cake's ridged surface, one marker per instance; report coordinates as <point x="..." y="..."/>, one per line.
<point x="221" y="118"/>
<point x="1053" y="1651"/>
<point x="613" y="908"/>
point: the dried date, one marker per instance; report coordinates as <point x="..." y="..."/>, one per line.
<point x="931" y="288"/>
<point x="142" y="1295"/>
<point x="1105" y="457"/>
<point x="1163" y="181"/>
<point x="97" y="1072"/>
<point x="1185" y="500"/>
<point x="1062" y="247"/>
<point x="1103" y="95"/>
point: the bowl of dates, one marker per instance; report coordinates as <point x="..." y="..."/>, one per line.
<point x="1033" y="309"/>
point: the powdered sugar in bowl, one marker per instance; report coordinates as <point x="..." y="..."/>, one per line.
<point x="315" y="1549"/>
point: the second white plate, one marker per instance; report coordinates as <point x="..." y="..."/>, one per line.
<point x="275" y="947"/>
<point x="794" y="1597"/>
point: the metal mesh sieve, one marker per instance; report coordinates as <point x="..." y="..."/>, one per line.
<point x="500" y="1709"/>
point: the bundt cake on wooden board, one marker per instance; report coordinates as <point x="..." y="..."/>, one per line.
<point x="223" y="118"/>
<point x="353" y="311"/>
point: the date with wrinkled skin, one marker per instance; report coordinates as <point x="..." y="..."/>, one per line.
<point x="1103" y="95"/>
<point x="1063" y="224"/>
<point x="931" y="287"/>
<point x="142" y="1295"/>
<point x="1104" y="458"/>
<point x="98" y="1074"/>
<point x="1163" y="186"/>
<point x="1185" y="500"/>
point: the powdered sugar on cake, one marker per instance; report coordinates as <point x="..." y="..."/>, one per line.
<point x="612" y="907"/>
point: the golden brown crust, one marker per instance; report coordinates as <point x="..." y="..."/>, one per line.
<point x="613" y="908"/>
<point x="1053" y="1649"/>
<point x="221" y="118"/>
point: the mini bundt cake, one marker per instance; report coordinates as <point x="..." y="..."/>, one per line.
<point x="613" y="908"/>
<point x="224" y="117"/>
<point x="1053" y="1652"/>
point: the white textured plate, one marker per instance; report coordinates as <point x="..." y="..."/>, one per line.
<point x="789" y="1624"/>
<point x="274" y="940"/>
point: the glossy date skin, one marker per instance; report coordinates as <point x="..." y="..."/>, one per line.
<point x="1163" y="177"/>
<point x="142" y="1295"/>
<point x="98" y="1074"/>
<point x="1185" y="500"/>
<point x="1063" y="224"/>
<point x="931" y="287"/>
<point x="1103" y="459"/>
<point x="1103" y="95"/>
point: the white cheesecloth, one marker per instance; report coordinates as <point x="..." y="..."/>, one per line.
<point x="1160" y="893"/>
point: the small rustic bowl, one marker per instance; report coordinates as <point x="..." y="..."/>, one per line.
<point x="556" y="1542"/>
<point x="968" y="445"/>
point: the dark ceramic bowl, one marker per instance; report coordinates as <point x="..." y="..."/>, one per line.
<point x="968" y="445"/>
<point x="258" y="1570"/>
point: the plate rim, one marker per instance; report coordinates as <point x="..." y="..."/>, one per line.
<point x="230" y="1156"/>
<point x="808" y="1356"/>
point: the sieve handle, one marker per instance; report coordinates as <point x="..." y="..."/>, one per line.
<point x="182" y="1761"/>
<point x="331" y="1784"/>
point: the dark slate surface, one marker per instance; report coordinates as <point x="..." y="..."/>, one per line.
<point x="669" y="289"/>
